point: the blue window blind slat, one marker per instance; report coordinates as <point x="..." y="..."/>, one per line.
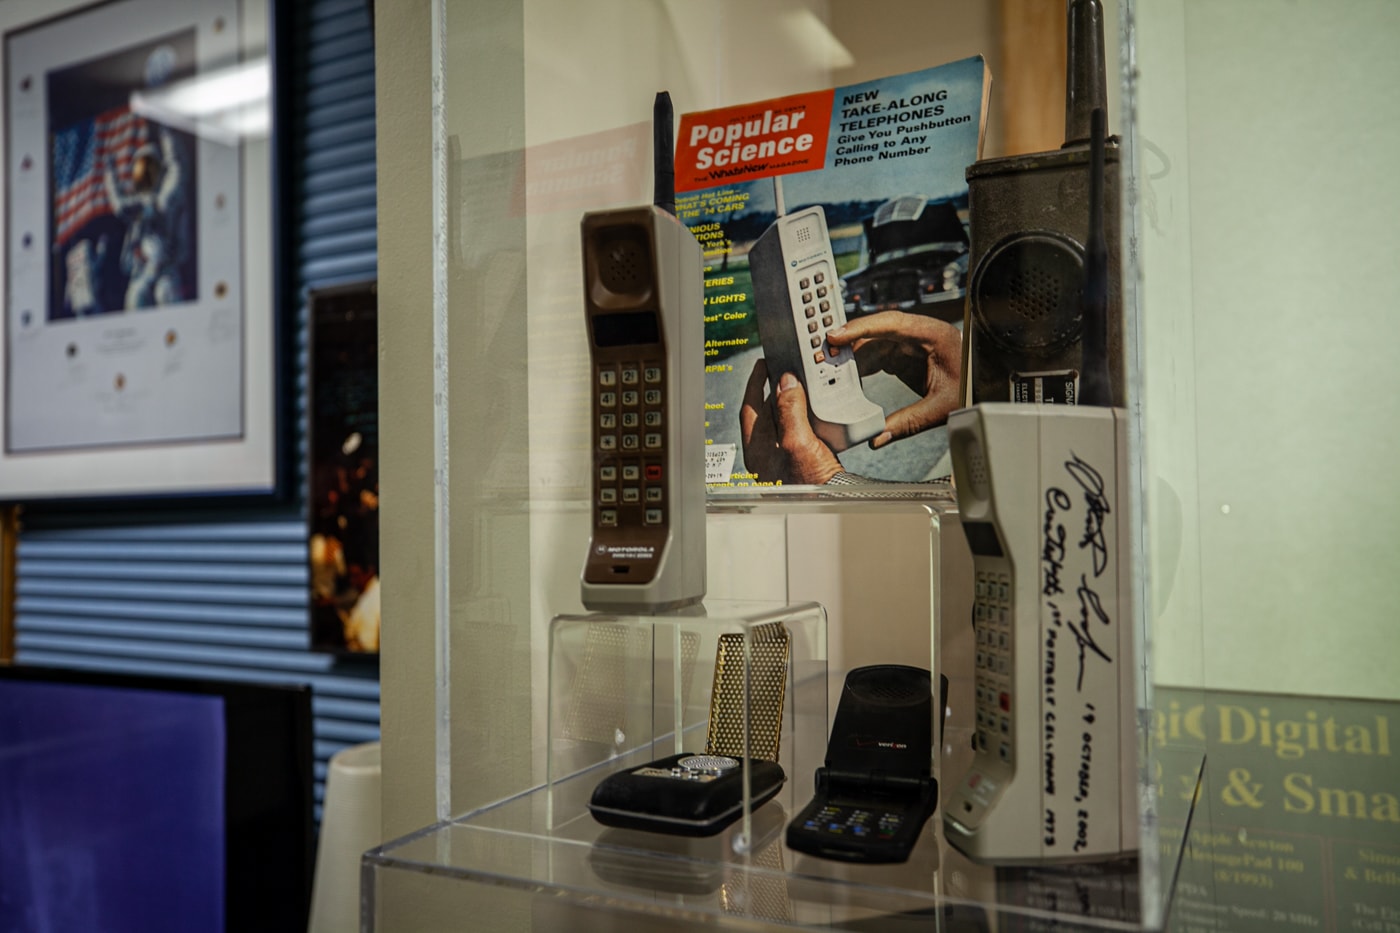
<point x="202" y="553"/>
<point x="321" y="161"/>
<point x="226" y="598"/>
<point x="323" y="685"/>
<point x="331" y="246"/>
<point x="335" y="223"/>
<point x="285" y="573"/>
<point x="354" y="710"/>
<point x="329" y="72"/>
<point x="154" y="590"/>
<point x="322" y="30"/>
<point x="264" y="616"/>
<point x="345" y="90"/>
<point x="341" y="200"/>
<point x="336" y="9"/>
<point x="339" y="134"/>
<point x="284" y="530"/>
<point x="188" y="653"/>
<point x="342" y="112"/>
<point x="352" y="732"/>
<point x="342" y="268"/>
<point x="342" y="47"/>
<point x="354" y="178"/>
<point x="198" y="634"/>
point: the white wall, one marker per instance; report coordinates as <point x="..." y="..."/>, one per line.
<point x="1269" y="134"/>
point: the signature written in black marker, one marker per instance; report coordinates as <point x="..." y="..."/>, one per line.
<point x="1052" y="550"/>
<point x="1091" y="481"/>
<point x="1090" y="605"/>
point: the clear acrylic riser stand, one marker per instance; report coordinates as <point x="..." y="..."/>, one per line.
<point x="740" y="679"/>
<point x="626" y="690"/>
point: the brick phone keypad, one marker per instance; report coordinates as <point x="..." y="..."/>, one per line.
<point x="817" y="294"/>
<point x="854" y="821"/>
<point x="992" y="620"/>
<point x="631" y="442"/>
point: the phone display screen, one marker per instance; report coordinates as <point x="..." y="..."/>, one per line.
<point x="626" y="329"/>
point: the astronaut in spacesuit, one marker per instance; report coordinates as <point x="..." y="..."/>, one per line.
<point x="155" y="212"/>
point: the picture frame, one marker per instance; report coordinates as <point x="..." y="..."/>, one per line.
<point x="343" y="460"/>
<point x="140" y="350"/>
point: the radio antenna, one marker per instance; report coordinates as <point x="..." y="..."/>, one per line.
<point x="1094" y="383"/>
<point x="779" y="204"/>
<point x="663" y="158"/>
<point x="1085" y="87"/>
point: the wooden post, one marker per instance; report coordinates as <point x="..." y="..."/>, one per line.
<point x="1032" y="80"/>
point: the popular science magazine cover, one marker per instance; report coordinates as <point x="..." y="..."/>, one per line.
<point x="834" y="226"/>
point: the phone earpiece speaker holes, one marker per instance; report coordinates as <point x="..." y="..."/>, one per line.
<point x="624" y="262"/>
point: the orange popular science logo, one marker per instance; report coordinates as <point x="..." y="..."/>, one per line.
<point x="733" y="144"/>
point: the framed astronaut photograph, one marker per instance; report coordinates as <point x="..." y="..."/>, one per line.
<point x="140" y="336"/>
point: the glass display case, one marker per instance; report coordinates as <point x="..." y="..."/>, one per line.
<point x="542" y="111"/>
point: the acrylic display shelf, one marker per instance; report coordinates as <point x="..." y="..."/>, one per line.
<point x="627" y="690"/>
<point x="506" y="868"/>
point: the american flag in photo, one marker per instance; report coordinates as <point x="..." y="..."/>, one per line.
<point x="80" y="156"/>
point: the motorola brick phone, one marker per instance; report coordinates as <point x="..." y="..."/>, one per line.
<point x="700" y="794"/>
<point x="876" y="790"/>
<point x="1043" y="497"/>
<point x="644" y="300"/>
<point x="1042" y="493"/>
<point x="797" y="296"/>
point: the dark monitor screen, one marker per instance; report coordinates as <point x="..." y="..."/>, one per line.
<point x="138" y="803"/>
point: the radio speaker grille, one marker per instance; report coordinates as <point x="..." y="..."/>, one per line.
<point x="1028" y="293"/>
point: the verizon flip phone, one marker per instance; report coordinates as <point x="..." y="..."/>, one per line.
<point x="797" y="296"/>
<point x="876" y="790"/>
<point x="644" y="298"/>
<point x="1042" y="492"/>
<point x="699" y="795"/>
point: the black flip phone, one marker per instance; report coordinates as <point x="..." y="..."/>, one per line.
<point x="876" y="791"/>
